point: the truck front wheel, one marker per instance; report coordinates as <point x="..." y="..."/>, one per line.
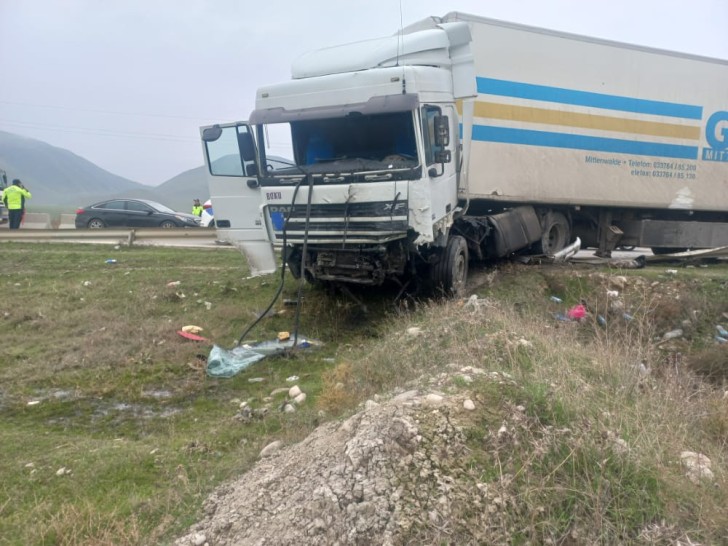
<point x="556" y="233"/>
<point x="450" y="274"/>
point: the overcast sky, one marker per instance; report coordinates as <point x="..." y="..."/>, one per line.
<point x="126" y="84"/>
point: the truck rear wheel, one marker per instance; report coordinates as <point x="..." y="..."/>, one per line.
<point x="556" y="233"/>
<point x="450" y="274"/>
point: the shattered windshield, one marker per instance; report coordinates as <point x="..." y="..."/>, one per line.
<point x="355" y="143"/>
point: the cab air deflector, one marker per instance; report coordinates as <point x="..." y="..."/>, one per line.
<point x="383" y="104"/>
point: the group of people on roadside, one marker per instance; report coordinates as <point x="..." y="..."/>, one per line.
<point x="14" y="197"/>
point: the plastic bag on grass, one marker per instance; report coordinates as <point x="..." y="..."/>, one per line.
<point x="226" y="363"/>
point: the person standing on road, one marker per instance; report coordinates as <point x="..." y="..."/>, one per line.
<point x="14" y="198"/>
<point x="196" y="208"/>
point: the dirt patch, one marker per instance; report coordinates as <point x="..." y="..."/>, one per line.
<point x="389" y="472"/>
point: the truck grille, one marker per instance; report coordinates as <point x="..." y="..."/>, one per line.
<point x="353" y="222"/>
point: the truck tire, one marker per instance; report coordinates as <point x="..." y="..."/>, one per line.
<point x="450" y="274"/>
<point x="556" y="233"/>
<point x="293" y="261"/>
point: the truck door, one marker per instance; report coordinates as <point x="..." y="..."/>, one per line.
<point x="441" y="156"/>
<point x="229" y="152"/>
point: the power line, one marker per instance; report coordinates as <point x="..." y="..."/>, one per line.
<point x="99" y="132"/>
<point x="73" y="108"/>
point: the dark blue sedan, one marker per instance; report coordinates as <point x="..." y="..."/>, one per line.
<point x="132" y="213"/>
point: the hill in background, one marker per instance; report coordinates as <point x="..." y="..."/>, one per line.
<point x="61" y="179"/>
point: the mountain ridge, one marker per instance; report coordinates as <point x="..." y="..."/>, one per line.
<point x="60" y="178"/>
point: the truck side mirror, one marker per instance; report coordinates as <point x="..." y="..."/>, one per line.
<point x="246" y="146"/>
<point x="211" y="134"/>
<point x="442" y="131"/>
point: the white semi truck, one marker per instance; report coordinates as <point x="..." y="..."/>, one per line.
<point x="464" y="138"/>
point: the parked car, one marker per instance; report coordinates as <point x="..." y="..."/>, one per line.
<point x="132" y="213"/>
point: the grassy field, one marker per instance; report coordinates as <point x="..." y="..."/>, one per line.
<point x="111" y="433"/>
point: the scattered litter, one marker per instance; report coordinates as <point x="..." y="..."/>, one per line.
<point x="722" y="332"/>
<point x="256" y="379"/>
<point x="290" y="302"/>
<point x="172" y="284"/>
<point x="208" y="305"/>
<point x="283" y="336"/>
<point x="63" y="471"/>
<point x="601" y="320"/>
<point x="414" y="331"/>
<point x="192" y="329"/>
<point x="229" y="362"/>
<point x="577" y="312"/>
<point x="556" y="299"/>
<point x="672" y="334"/>
<point x="627" y="317"/>
<point x="721" y="340"/>
<point x="34" y="402"/>
<point x="111" y="261"/>
<point x="292" y="378"/>
<point x="612" y="293"/>
<point x="87" y="283"/>
<point x="191" y="336"/>
<point x="671" y="271"/>
<point x="561" y="317"/>
<point x="634" y="263"/>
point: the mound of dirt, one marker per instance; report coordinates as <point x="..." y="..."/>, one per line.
<point x="390" y="473"/>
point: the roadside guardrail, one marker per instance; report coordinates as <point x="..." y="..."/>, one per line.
<point x="123" y="236"/>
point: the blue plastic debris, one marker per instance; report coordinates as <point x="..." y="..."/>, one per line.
<point x="627" y="316"/>
<point x="601" y="320"/>
<point x="229" y="362"/>
<point x="556" y="299"/>
<point x="111" y="261"/>
<point x="721" y="340"/>
<point x="722" y="332"/>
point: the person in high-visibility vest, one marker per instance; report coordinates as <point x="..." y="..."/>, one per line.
<point x="196" y="208"/>
<point x="14" y="198"/>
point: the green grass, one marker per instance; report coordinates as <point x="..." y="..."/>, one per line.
<point x="94" y="379"/>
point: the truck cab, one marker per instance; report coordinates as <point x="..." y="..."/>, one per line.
<point x="374" y="133"/>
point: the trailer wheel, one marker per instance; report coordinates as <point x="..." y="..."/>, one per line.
<point x="556" y="233"/>
<point x="450" y="274"/>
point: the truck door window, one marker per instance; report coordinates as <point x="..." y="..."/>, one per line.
<point x="223" y="154"/>
<point x="428" y="130"/>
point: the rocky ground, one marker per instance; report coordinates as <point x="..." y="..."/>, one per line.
<point x="391" y="471"/>
<point x="398" y="472"/>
